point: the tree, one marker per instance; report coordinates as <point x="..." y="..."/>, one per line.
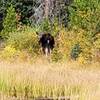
<point x="85" y="16"/>
<point x="9" y="22"/>
<point x="34" y="11"/>
<point x="52" y="9"/>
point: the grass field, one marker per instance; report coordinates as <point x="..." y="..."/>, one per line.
<point x="43" y="79"/>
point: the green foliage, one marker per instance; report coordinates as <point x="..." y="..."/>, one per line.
<point x="84" y="21"/>
<point x="56" y="55"/>
<point x="8" y="53"/>
<point x="85" y="14"/>
<point x="63" y="46"/>
<point x="25" y="39"/>
<point x="21" y="44"/>
<point x="55" y="27"/>
<point x="9" y="22"/>
<point x="76" y="50"/>
<point x="45" y="26"/>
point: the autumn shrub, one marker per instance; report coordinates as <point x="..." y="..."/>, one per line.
<point x="56" y="55"/>
<point x="24" y="39"/>
<point x="8" y="53"/>
<point x="96" y="49"/>
<point x="73" y="45"/>
<point x="63" y="46"/>
<point x="81" y="37"/>
<point x="84" y="23"/>
<point x="76" y="50"/>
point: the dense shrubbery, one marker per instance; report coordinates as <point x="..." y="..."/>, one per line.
<point x="20" y="41"/>
<point x="24" y="39"/>
<point x="85" y="15"/>
<point x="80" y="41"/>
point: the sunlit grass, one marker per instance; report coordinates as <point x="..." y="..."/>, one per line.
<point x="43" y="79"/>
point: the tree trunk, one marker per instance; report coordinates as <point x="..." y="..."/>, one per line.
<point x="47" y="6"/>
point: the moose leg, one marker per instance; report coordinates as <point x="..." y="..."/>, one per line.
<point x="46" y="51"/>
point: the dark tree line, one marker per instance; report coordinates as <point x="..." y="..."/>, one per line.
<point x="35" y="11"/>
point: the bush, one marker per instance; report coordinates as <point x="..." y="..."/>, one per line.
<point x="85" y="45"/>
<point x="8" y="53"/>
<point x="96" y="49"/>
<point x="56" y="55"/>
<point x="25" y="39"/>
<point x="45" y="26"/>
<point x="76" y="50"/>
<point x="63" y="45"/>
<point x="84" y="22"/>
<point x="73" y="45"/>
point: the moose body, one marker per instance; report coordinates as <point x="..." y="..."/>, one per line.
<point x="47" y="43"/>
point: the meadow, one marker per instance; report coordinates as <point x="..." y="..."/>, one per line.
<point x="31" y="81"/>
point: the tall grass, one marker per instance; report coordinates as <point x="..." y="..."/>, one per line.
<point x="48" y="80"/>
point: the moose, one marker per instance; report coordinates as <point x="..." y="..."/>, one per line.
<point x="46" y="41"/>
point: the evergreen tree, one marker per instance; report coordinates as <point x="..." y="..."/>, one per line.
<point x="9" y="22"/>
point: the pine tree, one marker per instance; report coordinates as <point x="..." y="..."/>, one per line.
<point x="9" y="22"/>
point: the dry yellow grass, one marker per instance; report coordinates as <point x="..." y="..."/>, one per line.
<point x="48" y="76"/>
